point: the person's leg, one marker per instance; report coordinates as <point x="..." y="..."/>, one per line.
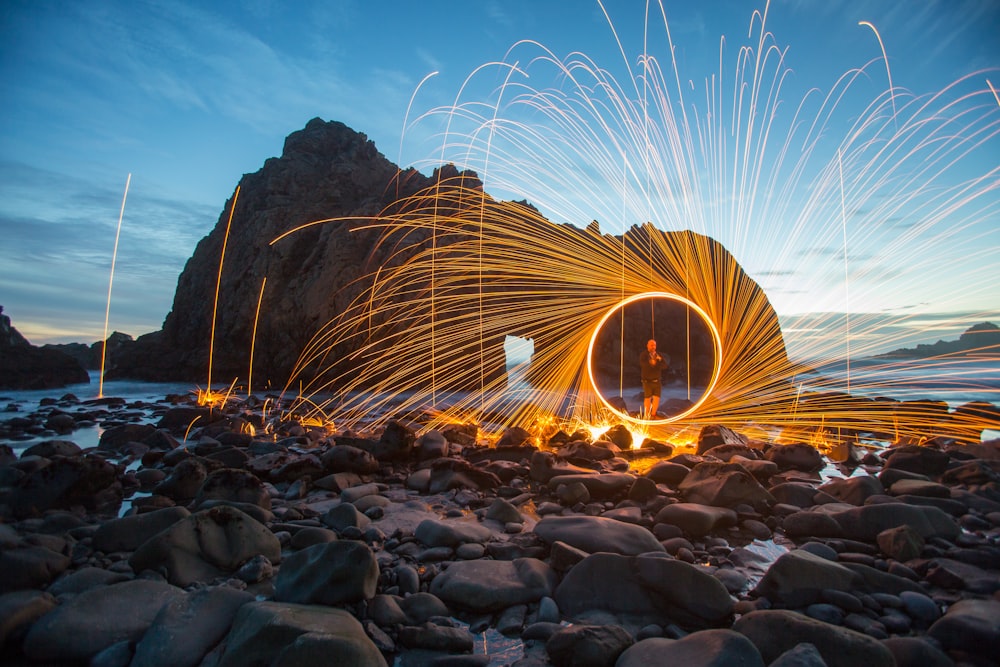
<point x="654" y="404"/>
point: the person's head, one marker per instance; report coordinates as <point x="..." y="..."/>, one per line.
<point x="651" y="345"/>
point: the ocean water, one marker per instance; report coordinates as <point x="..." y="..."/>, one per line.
<point x="956" y="382"/>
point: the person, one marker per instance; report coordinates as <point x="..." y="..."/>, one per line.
<point x="651" y="365"/>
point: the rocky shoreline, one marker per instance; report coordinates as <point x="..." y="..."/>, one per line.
<point x="193" y="536"/>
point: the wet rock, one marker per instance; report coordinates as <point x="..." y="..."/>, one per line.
<point x="273" y="633"/>
<point x="646" y="589"/>
<point x="396" y="442"/>
<point x="30" y="567"/>
<point x="458" y="474"/>
<point x="208" y="544"/>
<point x="49" y="448"/>
<point x="667" y="472"/>
<point x="544" y="466"/>
<point x="345" y="458"/>
<point x="920" y="460"/>
<point x="798" y="456"/>
<point x="798" y="578"/>
<point x="587" y="645"/>
<point x="696" y="519"/>
<point x="707" y="648"/>
<point x="853" y="490"/>
<point x="801" y="655"/>
<point x="775" y="631"/>
<point x="90" y="622"/>
<point x="86" y="481"/>
<point x="723" y="485"/>
<point x="232" y="485"/>
<point x="598" y="485"/>
<point x="19" y="609"/>
<point x="187" y="628"/>
<point x="129" y="533"/>
<point x="492" y="585"/>
<point x="85" y="579"/>
<point x="435" y="533"/>
<point x="865" y="523"/>
<point x="436" y="638"/>
<point x="344" y="516"/>
<point x="593" y="534"/>
<point x="331" y="573"/>
<point x="184" y="481"/>
<point x="902" y="543"/>
<point x="716" y="435"/>
<point x="917" y="652"/>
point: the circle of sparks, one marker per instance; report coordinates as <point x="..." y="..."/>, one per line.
<point x="716" y="367"/>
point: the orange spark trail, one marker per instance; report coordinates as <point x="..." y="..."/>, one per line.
<point x="218" y="285"/>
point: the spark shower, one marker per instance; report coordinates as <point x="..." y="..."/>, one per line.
<point x="684" y="183"/>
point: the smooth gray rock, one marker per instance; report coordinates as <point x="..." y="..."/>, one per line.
<point x="587" y="645"/>
<point x="593" y="534"/>
<point x="798" y="577"/>
<point x="706" y="648"/>
<point x="492" y="585"/>
<point x="330" y="573"/>
<point x="442" y="533"/>
<point x="775" y="631"/>
<point x="88" y="623"/>
<point x="206" y="545"/>
<point x="130" y="532"/>
<point x="187" y="628"/>
<point x="646" y="589"/>
<point x="972" y="626"/>
<point x="273" y="633"/>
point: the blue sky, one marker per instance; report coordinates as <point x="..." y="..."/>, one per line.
<point x="188" y="96"/>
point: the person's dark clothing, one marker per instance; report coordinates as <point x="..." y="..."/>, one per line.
<point x="650" y="371"/>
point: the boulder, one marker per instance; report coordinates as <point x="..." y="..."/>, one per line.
<point x="593" y="534"/>
<point x="723" y="485"/>
<point x="329" y="573"/>
<point x="600" y="485"/>
<point x="585" y="645"/>
<point x="798" y="578"/>
<point x="346" y="458"/>
<point x="233" y="485"/>
<point x="30" y="567"/>
<point x="865" y="523"/>
<point x="706" y="648"/>
<point x="644" y="589"/>
<point x="208" y="544"/>
<point x="716" y="435"/>
<point x="695" y="519"/>
<point x="274" y="633"/>
<point x="86" y="481"/>
<point x="484" y="586"/>
<point x="19" y="609"/>
<point x="796" y="456"/>
<point x="86" y="624"/>
<point x="130" y="532"/>
<point x="775" y="631"/>
<point x="442" y="533"/>
<point x="187" y="628"/>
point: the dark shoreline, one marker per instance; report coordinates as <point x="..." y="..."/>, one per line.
<point x="416" y="549"/>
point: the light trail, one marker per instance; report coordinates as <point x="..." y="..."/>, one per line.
<point x="688" y="194"/>
<point x="111" y="279"/>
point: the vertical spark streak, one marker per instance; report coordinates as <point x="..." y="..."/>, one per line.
<point x="111" y="279"/>
<point x="218" y="285"/>
<point x="994" y="90"/>
<point x="253" y="337"/>
<point x="885" y="59"/>
<point x="847" y="293"/>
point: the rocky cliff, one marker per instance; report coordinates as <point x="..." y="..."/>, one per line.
<point x="25" y="366"/>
